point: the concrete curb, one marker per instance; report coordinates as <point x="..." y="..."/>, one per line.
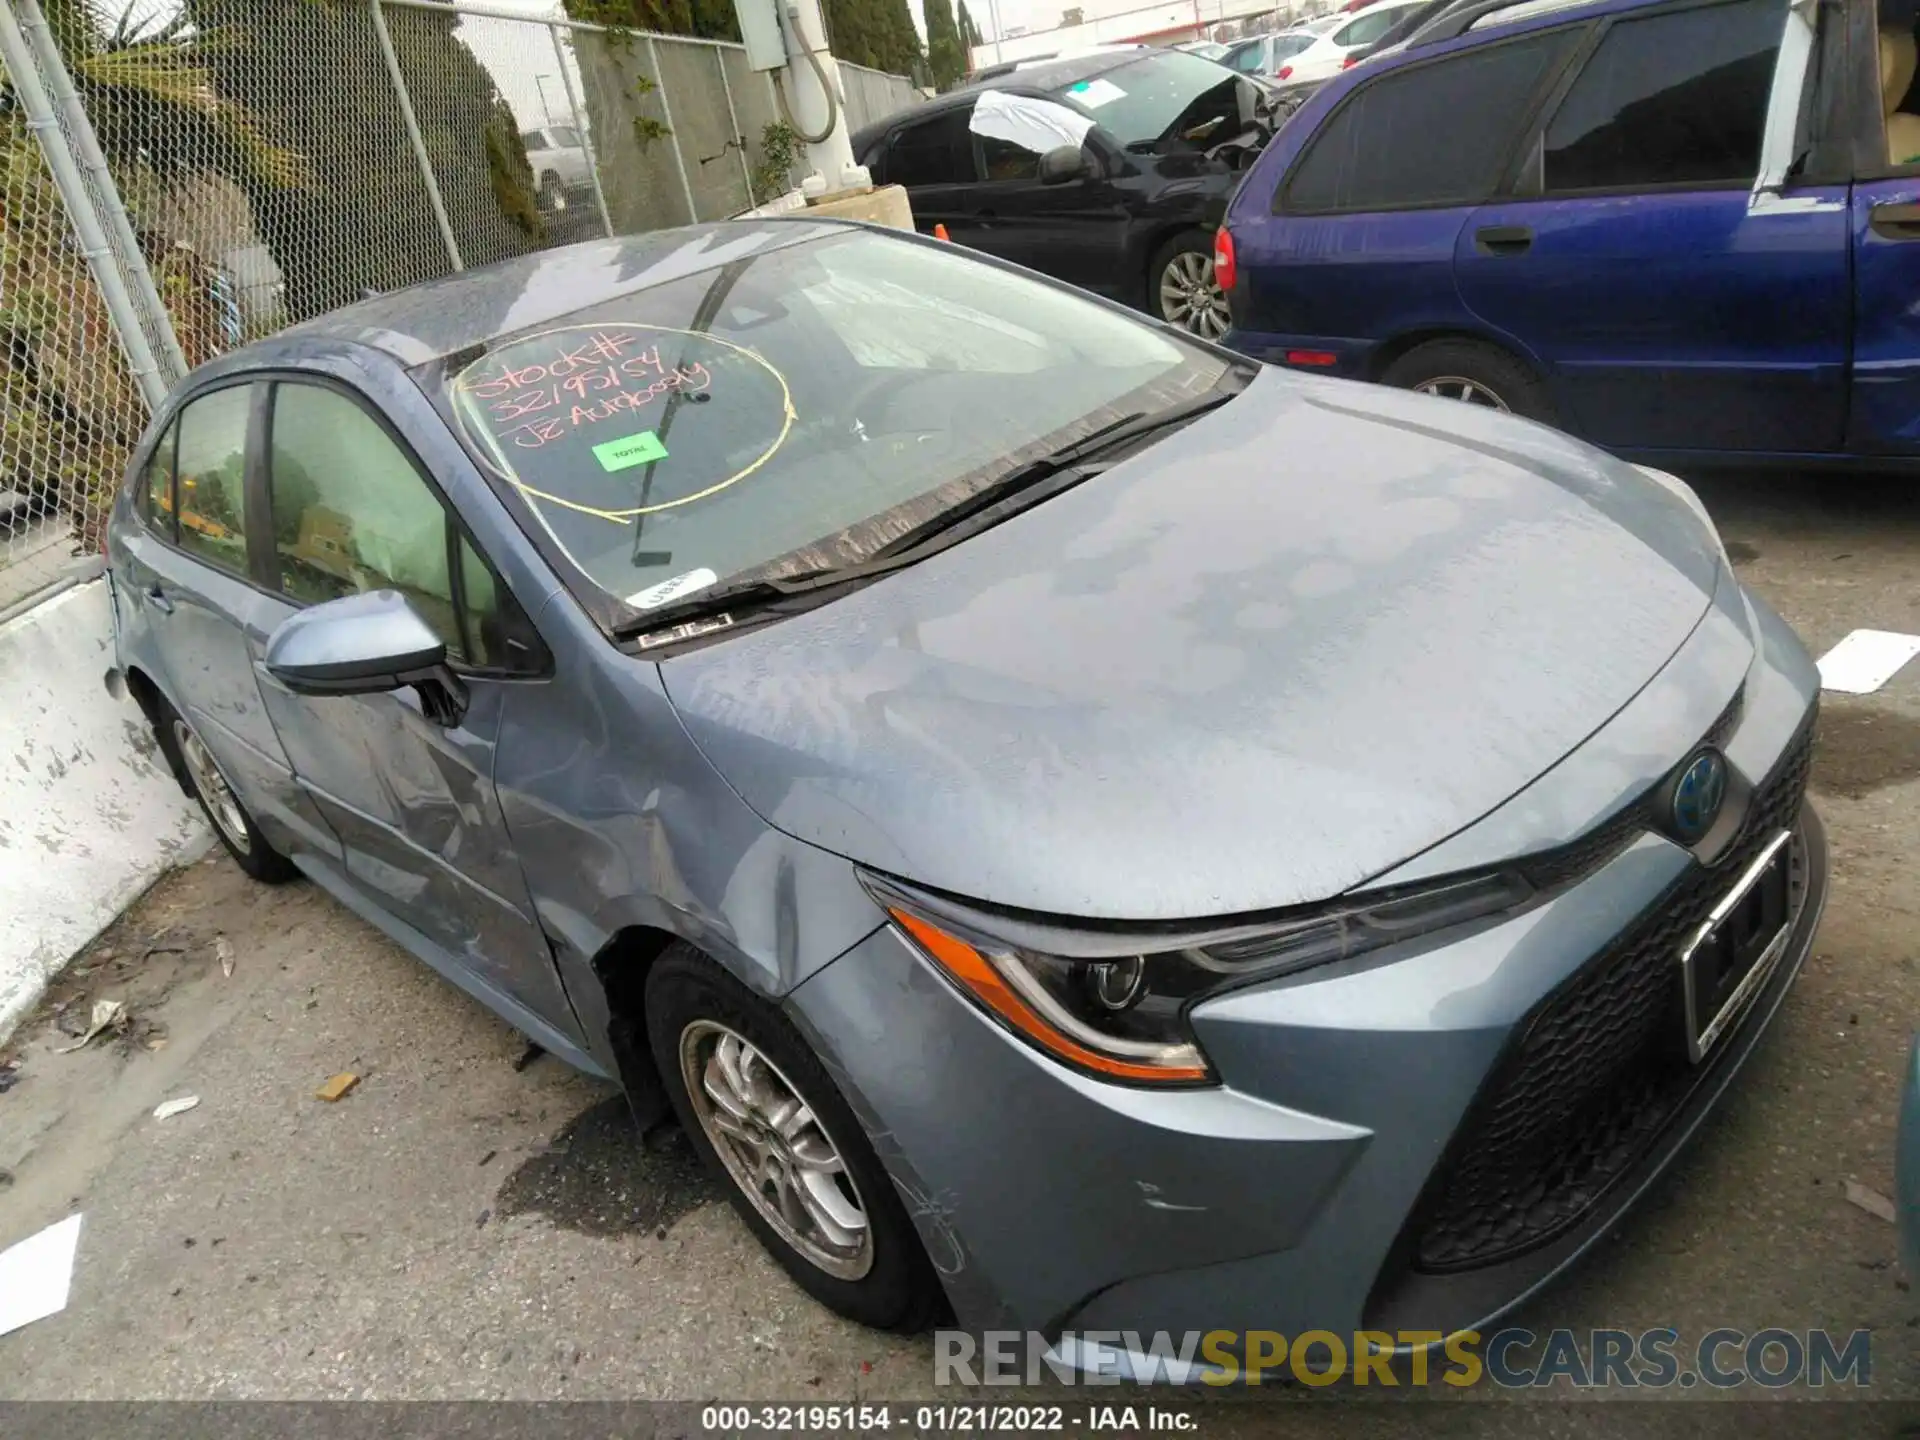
<point x="89" y="815"/>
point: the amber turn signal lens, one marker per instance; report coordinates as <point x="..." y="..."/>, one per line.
<point x="977" y="975"/>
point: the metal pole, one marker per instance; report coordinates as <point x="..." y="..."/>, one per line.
<point x="666" y="109"/>
<point x="993" y="18"/>
<point x="93" y="161"/>
<point x="412" y="123"/>
<point x="72" y="186"/>
<point x="580" y="125"/>
<point x="733" y="125"/>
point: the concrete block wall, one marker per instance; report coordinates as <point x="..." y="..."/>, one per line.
<point x="89" y="815"/>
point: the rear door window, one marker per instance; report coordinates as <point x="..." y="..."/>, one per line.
<point x="1672" y="99"/>
<point x="1432" y="134"/>
<point x="210" y="484"/>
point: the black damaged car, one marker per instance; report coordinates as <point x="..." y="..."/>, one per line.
<point x="1110" y="171"/>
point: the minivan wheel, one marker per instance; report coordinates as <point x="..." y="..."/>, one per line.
<point x="553" y="194"/>
<point x="1181" y="289"/>
<point x="759" y="1107"/>
<point x="231" y="820"/>
<point x="1474" y="372"/>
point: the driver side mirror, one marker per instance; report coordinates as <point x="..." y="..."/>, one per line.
<point x="1062" y="164"/>
<point x="366" y="645"/>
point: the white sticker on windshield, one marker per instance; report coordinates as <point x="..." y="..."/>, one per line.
<point x="1095" y="93"/>
<point x="655" y="595"/>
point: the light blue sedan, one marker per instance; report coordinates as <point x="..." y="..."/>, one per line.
<point x="1083" y="830"/>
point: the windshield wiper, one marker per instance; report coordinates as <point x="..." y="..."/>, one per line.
<point x="1065" y="463"/>
<point x="751" y="594"/>
<point x="714" y="609"/>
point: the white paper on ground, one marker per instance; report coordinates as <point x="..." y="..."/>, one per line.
<point x="36" y="1273"/>
<point x="1866" y="660"/>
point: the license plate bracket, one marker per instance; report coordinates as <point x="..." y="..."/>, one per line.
<point x="1736" y="947"/>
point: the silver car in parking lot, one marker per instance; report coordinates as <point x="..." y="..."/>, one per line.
<point x="1084" y="831"/>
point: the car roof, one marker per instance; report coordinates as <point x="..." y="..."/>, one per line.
<point x="1461" y="17"/>
<point x="438" y="318"/>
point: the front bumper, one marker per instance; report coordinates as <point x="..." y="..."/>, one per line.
<point x="1297" y="1194"/>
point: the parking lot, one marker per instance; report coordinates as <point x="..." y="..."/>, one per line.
<point x="466" y="1225"/>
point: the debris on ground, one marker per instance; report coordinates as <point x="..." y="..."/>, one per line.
<point x="9" y="1075"/>
<point x="223" y="949"/>
<point x="1871" y="1201"/>
<point x="527" y="1056"/>
<point x="167" y="1109"/>
<point x="36" y="1275"/>
<point x="337" y="1087"/>
<point x="107" y="1015"/>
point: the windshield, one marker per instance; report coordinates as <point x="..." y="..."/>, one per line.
<point x="1247" y="57"/>
<point x="1160" y="97"/>
<point x="793" y="410"/>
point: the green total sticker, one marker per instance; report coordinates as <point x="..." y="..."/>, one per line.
<point x="623" y="454"/>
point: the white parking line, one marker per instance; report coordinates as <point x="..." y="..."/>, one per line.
<point x="1865" y="660"/>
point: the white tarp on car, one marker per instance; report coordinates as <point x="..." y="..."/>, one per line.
<point x="1038" y="125"/>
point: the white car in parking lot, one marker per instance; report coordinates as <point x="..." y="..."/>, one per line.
<point x="1328" y="55"/>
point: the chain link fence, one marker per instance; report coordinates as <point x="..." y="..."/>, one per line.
<point x="181" y="176"/>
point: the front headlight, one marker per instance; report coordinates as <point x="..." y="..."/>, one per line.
<point x="1117" y="1007"/>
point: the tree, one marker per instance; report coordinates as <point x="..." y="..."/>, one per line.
<point x="709" y="19"/>
<point x="945" y="54"/>
<point x="970" y="35"/>
<point x="314" y="71"/>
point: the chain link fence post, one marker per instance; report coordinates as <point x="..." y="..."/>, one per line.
<point x="129" y="258"/>
<point x="666" y="109"/>
<point x="68" y="179"/>
<point x="733" y="125"/>
<point x="580" y="128"/>
<point x="414" y="137"/>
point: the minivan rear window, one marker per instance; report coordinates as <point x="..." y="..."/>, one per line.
<point x="1431" y="134"/>
<point x="1672" y="99"/>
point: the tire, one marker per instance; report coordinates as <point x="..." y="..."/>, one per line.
<point x="693" y="1010"/>
<point x="230" y="819"/>
<point x="553" y="194"/>
<point x="1489" y="376"/>
<point x="1184" y="265"/>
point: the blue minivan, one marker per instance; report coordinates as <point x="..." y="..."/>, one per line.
<point x="1687" y="230"/>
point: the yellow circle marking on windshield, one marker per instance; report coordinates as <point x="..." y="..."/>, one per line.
<point x="476" y="423"/>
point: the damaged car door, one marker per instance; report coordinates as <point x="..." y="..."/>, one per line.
<point x="409" y="792"/>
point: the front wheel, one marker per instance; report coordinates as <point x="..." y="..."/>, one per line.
<point x="1181" y="289"/>
<point x="1475" y="373"/>
<point x="231" y="820"/>
<point x="761" y="1110"/>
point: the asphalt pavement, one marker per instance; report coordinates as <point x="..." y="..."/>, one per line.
<point x="466" y="1225"/>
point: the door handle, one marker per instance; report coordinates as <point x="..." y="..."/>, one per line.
<point x="1503" y="239"/>
<point x="1895" y="219"/>
<point x="157" y="598"/>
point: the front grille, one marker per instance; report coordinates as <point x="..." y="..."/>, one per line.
<point x="1599" y="1072"/>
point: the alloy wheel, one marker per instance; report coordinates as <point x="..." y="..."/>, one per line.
<point x="1458" y="387"/>
<point x="776" y="1149"/>
<point x="1189" y="297"/>
<point x="212" y="787"/>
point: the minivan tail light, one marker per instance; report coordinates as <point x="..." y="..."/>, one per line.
<point x="1349" y="62"/>
<point x="1283" y="72"/>
<point x="1226" y="269"/>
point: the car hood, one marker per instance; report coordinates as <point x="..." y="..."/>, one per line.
<point x="1257" y="663"/>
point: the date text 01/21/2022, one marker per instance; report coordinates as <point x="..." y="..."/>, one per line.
<point x="943" y="1419"/>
